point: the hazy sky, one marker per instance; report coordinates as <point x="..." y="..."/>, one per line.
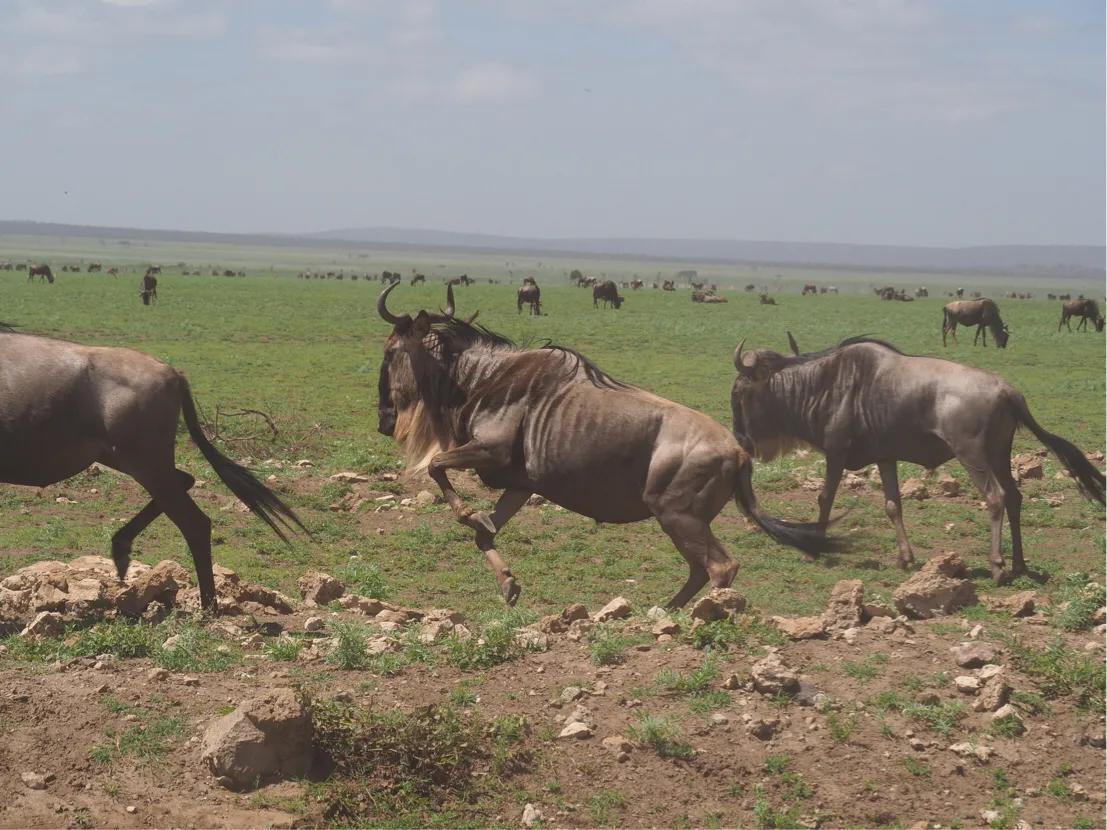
<point x="870" y="121"/>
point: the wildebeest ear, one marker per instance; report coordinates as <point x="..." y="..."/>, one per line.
<point x="792" y="345"/>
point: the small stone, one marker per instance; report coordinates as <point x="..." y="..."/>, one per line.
<point x="763" y="728"/>
<point x="171" y="642"/>
<point x="719" y="719"/>
<point x="132" y="809"/>
<point x="732" y="682"/>
<point x="771" y="677"/>
<point x="1094" y="736"/>
<point x="314" y="624"/>
<point x="576" y="729"/>
<point x="967" y="684"/>
<point x="617" y="609"/>
<point x="664" y="626"/>
<point x="350" y="478"/>
<point x="989" y="671"/>
<point x="157" y="674"/>
<point x="190" y="680"/>
<point x="949" y="486"/>
<point x="800" y="628"/>
<point x="917" y="744"/>
<point x="968" y="750"/>
<point x="531" y="815"/>
<point x="45" y="624"/>
<point x="617" y="744"/>
<point x="913" y="488"/>
<point x="424" y="498"/>
<point x="940" y="587"/>
<point x="319" y="588"/>
<point x="972" y="655"/>
<point x="976" y="631"/>
<point x="994" y="694"/>
<point x="850" y="635"/>
<point x="570" y="694"/>
<point x="988" y="816"/>
<point x="33" y="780"/>
<point x="1009" y="714"/>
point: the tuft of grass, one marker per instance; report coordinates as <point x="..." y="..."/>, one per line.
<point x="349" y="651"/>
<point x="197" y="650"/>
<point x="606" y="644"/>
<point x="142" y="742"/>
<point x="938" y="717"/>
<point x="768" y="817"/>
<point x="916" y="768"/>
<point x="1059" y="789"/>
<point x="495" y="644"/>
<point x="867" y="669"/>
<point x="1006" y="727"/>
<point x="1032" y="702"/>
<point x="601" y="805"/>
<point x="664" y="736"/>
<point x="841" y="728"/>
<point x="696" y="682"/>
<point x="1062" y="671"/>
<point x="283" y="649"/>
<point x="364" y="578"/>
<point x="776" y="764"/>
<point x="1073" y="605"/>
<point x="463" y="695"/>
<point x="746" y="632"/>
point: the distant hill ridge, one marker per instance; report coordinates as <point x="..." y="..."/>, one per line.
<point x="1060" y="260"/>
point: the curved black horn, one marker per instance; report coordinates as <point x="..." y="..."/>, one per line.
<point x="792" y="344"/>
<point x="738" y="355"/>
<point x="382" y="308"/>
<point x="449" y="312"/>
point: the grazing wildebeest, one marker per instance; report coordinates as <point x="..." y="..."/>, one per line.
<point x="65" y="406"/>
<point x="113" y="271"/>
<point x="530" y="294"/>
<point x="750" y="287"/>
<point x="960" y="292"/>
<point x="149" y="288"/>
<point x="607" y="292"/>
<point x="864" y="402"/>
<point x="42" y="271"/>
<point x="921" y="291"/>
<point x="1084" y="309"/>
<point x="980" y="313"/>
<point x="548" y="421"/>
<point x="697" y="286"/>
<point x="636" y="284"/>
<point x="809" y="288"/>
<point x="767" y="300"/>
<point x="418" y="278"/>
<point x="93" y="266"/>
<point x="668" y="285"/>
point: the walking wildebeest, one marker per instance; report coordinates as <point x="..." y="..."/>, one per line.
<point x="43" y="273"/>
<point x="809" y="288"/>
<point x="636" y="284"/>
<point x="548" y="421"/>
<point x="64" y="406"/>
<point x="530" y="294"/>
<point x="150" y="288"/>
<point x="1084" y="309"/>
<point x="418" y="278"/>
<point x="980" y="313"/>
<point x="607" y="292"/>
<point x="864" y="402"/>
<point x="93" y="267"/>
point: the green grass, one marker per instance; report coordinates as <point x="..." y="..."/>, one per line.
<point x="603" y="804"/>
<point x="1074" y="604"/>
<point x="916" y="768"/>
<point x="939" y="717"/>
<point x="607" y="643"/>
<point x="143" y="742"/>
<point x="1062" y="671"/>
<point x="662" y="735"/>
<point x="867" y="669"/>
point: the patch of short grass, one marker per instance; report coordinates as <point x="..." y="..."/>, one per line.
<point x="283" y="649"/>
<point x="841" y="728"/>
<point x="142" y="742"/>
<point x="601" y="805"/>
<point x="662" y="735"/>
<point x="1061" y="670"/>
<point x="745" y="632"/>
<point x="916" y="768"/>
<point x="364" y="578"/>
<point x="938" y="717"/>
<point x="607" y="644"/>
<point x="866" y="669"/>
<point x="1073" y="605"/>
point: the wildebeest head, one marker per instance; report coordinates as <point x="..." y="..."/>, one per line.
<point x="1002" y="336"/>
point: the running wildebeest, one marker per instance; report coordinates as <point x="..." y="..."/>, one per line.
<point x="548" y="421"/>
<point x="984" y="314"/>
<point x="864" y="402"/>
<point x="42" y="271"/>
<point x="530" y="294"/>
<point x="64" y="406"/>
<point x="1084" y="309"/>
<point x="608" y="292"/>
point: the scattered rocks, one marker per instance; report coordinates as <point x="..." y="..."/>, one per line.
<point x="559" y="623"/>
<point x="267" y="736"/>
<point x="617" y="609"/>
<point x="720" y="604"/>
<point x="974" y="654"/>
<point x="314" y="624"/>
<point x="994" y="693"/>
<point x="800" y="628"/>
<point x="941" y="587"/>
<point x="350" y="478"/>
<point x="967" y="684"/>
<point x="771" y="677"/>
<point x="970" y="750"/>
<point x="362" y="605"/>
<point x="318" y="588"/>
<point x="913" y="488"/>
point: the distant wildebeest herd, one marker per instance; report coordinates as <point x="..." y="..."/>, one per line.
<point x="456" y="395"/>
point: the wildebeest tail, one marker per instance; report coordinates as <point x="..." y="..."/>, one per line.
<point x="802" y="535"/>
<point x="262" y="501"/>
<point x="1088" y="478"/>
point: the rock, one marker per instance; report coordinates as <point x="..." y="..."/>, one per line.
<point x="1009" y="715"/>
<point x="350" y="478"/>
<point x="1094" y="736"/>
<point x="988" y="816"/>
<point x="45" y="624"/>
<point x="531" y="815"/>
<point x="913" y="488"/>
<point x="771" y="677"/>
<point x="732" y="682"/>
<point x="579" y="629"/>
<point x="617" y="744"/>
<point x="33" y="780"/>
<point x="949" y="486"/>
<point x="172" y="642"/>
<point x="531" y="639"/>
<point x="967" y="684"/>
<point x="1026" y="466"/>
<point x="719" y="719"/>
<point x="974" y="654"/>
<point x="719" y="604"/>
<point x="319" y="588"/>
<point x="1021" y="604"/>
<point x="800" y="628"/>
<point x="424" y="498"/>
<point x="846" y="606"/>
<point x="663" y="626"/>
<point x="617" y="609"/>
<point x="431" y="631"/>
<point x="157" y="674"/>
<point x="988" y="671"/>
<point x="362" y="605"/>
<point x="941" y="587"/>
<point x="969" y="750"/>
<point x="877" y="609"/>
<point x="536" y="500"/>
<point x="850" y="635"/>
<point x="265" y="737"/>
<point x="570" y="694"/>
<point x="994" y="693"/>
<point x="763" y="728"/>
<point x="314" y="624"/>
<point x="559" y="623"/>
<point x="1100" y="616"/>
<point x="576" y="729"/>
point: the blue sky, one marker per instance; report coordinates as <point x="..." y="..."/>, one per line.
<point x="866" y="121"/>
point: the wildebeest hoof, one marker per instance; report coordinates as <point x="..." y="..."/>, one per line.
<point x="1000" y="575"/>
<point x="510" y="590"/>
<point x="478" y="520"/>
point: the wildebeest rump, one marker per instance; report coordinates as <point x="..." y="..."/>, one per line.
<point x="608" y="292"/>
<point x="983" y="313"/>
<point x="1084" y="309"/>
<point x="457" y="396"/>
<point x="864" y="402"/>
<point x="64" y="406"/>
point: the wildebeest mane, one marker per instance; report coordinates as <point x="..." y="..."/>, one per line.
<point x="595" y="375"/>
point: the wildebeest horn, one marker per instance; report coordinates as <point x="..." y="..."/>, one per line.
<point x="738" y="355"/>
<point x="382" y="308"/>
<point x="792" y="344"/>
<point x="449" y="312"/>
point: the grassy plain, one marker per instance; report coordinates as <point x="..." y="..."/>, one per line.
<point x="307" y="353"/>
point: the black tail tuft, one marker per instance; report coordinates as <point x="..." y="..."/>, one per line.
<point x="263" y="502"/>
<point x="1088" y="478"/>
<point x="804" y="536"/>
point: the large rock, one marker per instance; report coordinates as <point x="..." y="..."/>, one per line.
<point x="617" y="609"/>
<point x="846" y="607"/>
<point x="719" y="604"/>
<point x="995" y="693"/>
<point x="973" y="655"/>
<point x="1017" y="605"/>
<point x="941" y="587"/>
<point x="45" y="624"/>
<point x="318" y="588"/>
<point x="771" y="677"/>
<point x="559" y="623"/>
<point x="265" y="737"/>
<point x="800" y="628"/>
<point x="913" y="488"/>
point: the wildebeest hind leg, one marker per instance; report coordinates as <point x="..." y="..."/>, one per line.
<point x="123" y="538"/>
<point x="509" y="504"/>
<point x="826" y="498"/>
<point x="465" y="457"/>
<point x="996" y="499"/>
<point x="706" y="557"/>
<point x="893" y="507"/>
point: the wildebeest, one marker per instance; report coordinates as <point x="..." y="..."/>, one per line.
<point x="668" y="285"/>
<point x="548" y="421"/>
<point x="809" y="288"/>
<point x="698" y="296"/>
<point x="767" y="300"/>
<point x="636" y="284"/>
<point x="864" y="402"/>
<point x="750" y="287"/>
<point x="93" y="267"/>
<point x="530" y="294"/>
<point x="417" y="278"/>
<point x="153" y="269"/>
<point x="113" y="271"/>
<point x="697" y="286"/>
<point x="1084" y="309"/>
<point x="607" y="292"/>
<point x="149" y="289"/>
<point x="921" y="291"/>
<point x="41" y="271"/>
<point x="960" y="292"/>
<point x="65" y="406"/>
<point x="984" y="314"/>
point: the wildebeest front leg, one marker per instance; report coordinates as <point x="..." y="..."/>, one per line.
<point x="466" y="457"/>
<point x="889" y="479"/>
<point x="508" y="505"/>
<point x="834" y="470"/>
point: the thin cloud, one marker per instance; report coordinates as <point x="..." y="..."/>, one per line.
<point x="493" y="82"/>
